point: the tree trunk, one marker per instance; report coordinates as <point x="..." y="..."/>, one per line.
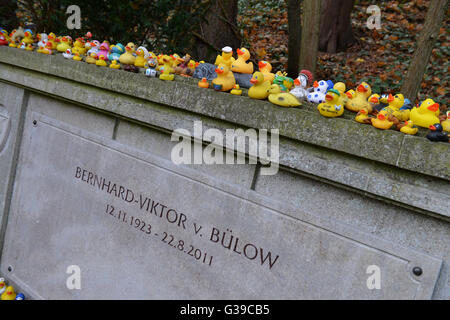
<point x="295" y="33"/>
<point x="336" y="32"/>
<point x="424" y="47"/>
<point x="310" y="34"/>
<point x="219" y="30"/>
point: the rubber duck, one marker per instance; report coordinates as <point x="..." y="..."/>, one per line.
<point x="203" y="83"/>
<point x="176" y="60"/>
<point x="436" y="133"/>
<point x="363" y="117"/>
<point x="304" y="79"/>
<point x="92" y="58"/>
<point x="28" y="37"/>
<point x="265" y="68"/>
<point x="183" y="68"/>
<point x="22" y="45"/>
<point x="192" y="65"/>
<point x="237" y="91"/>
<point x="141" y="57"/>
<point x="382" y="122"/>
<point x="225" y="80"/>
<point x="77" y="56"/>
<point x="20" y="296"/>
<point x="240" y="65"/>
<point x="260" y="87"/>
<point x="408" y="128"/>
<point x="426" y="115"/>
<point x="116" y="51"/>
<point x="68" y="54"/>
<point x="446" y="123"/>
<point x="48" y="48"/>
<point x="52" y="40"/>
<point x="16" y="36"/>
<point x="167" y="69"/>
<point x="114" y="65"/>
<point x="320" y="88"/>
<point x="359" y="100"/>
<point x="333" y="107"/>
<point x="226" y="57"/>
<point x="103" y="50"/>
<point x="9" y="294"/>
<point x="150" y="67"/>
<point x="394" y="105"/>
<point x="3" y="40"/>
<point x="286" y="83"/>
<point x="64" y="44"/>
<point x="127" y="57"/>
<point x="78" y="47"/>
<point x="284" y="99"/>
<point x="2" y="285"/>
<point x="101" y="62"/>
<point x="93" y="47"/>
<point x="29" y="47"/>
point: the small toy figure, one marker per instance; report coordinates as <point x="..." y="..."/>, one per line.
<point x="68" y="54"/>
<point x="183" y="67"/>
<point x="408" y="128"/>
<point x="436" y="134"/>
<point x="20" y="296"/>
<point x="150" y="66"/>
<point x="265" y="68"/>
<point x="9" y="294"/>
<point x="92" y="58"/>
<point x="3" y="40"/>
<point x="22" y="46"/>
<point x="446" y="123"/>
<point x="48" y="48"/>
<point x="77" y="56"/>
<point x="382" y="122"/>
<point x="116" y="51"/>
<point x="93" y="47"/>
<point x="166" y="68"/>
<point x="237" y="91"/>
<point x="79" y="47"/>
<point x="114" y="65"/>
<point x="128" y="58"/>
<point x="284" y="99"/>
<point x="64" y="44"/>
<point x="363" y="117"/>
<point x="283" y="81"/>
<point x="333" y="107"/>
<point x="319" y="91"/>
<point x="394" y="104"/>
<point x="304" y="79"/>
<point x="225" y="80"/>
<point x="2" y="285"/>
<point x="16" y="37"/>
<point x="260" y="88"/>
<point x="426" y="115"/>
<point x="101" y="62"/>
<point x="203" y="83"/>
<point x="240" y="65"/>
<point x="141" y="57"/>
<point x="53" y="40"/>
<point x="359" y="100"/>
<point x="28" y="37"/>
<point x="226" y="57"/>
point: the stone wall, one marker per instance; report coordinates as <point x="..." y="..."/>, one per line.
<point x="346" y="194"/>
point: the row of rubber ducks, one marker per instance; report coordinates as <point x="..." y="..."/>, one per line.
<point x="8" y="293"/>
<point x="381" y="111"/>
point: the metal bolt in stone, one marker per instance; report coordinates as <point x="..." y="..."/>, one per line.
<point x="417" y="271"/>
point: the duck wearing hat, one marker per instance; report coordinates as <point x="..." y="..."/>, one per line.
<point x="226" y="57"/>
<point x="333" y="105"/>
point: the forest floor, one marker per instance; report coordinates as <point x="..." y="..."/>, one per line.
<point x="380" y="57"/>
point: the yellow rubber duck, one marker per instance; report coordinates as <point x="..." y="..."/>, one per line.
<point x="374" y="99"/>
<point x="426" y="115"/>
<point x="64" y="44"/>
<point x="176" y="59"/>
<point x="9" y="294"/>
<point x="284" y="99"/>
<point x="260" y="88"/>
<point x="141" y="57"/>
<point x="48" y="48"/>
<point x="340" y="86"/>
<point x="203" y="83"/>
<point x="265" y="68"/>
<point x="226" y="57"/>
<point x="29" y="47"/>
<point x="381" y="121"/>
<point x="237" y="91"/>
<point x="363" y="117"/>
<point x="446" y="123"/>
<point x="333" y="107"/>
<point x="101" y="62"/>
<point x="53" y="40"/>
<point x="77" y="56"/>
<point x="127" y="57"/>
<point x="28" y="38"/>
<point x="350" y="94"/>
<point x="167" y="69"/>
<point x="92" y="59"/>
<point x="241" y="65"/>
<point x="78" y="47"/>
<point x="408" y="128"/>
<point x="225" y="80"/>
<point x="114" y="65"/>
<point x="395" y="103"/>
<point x="359" y="100"/>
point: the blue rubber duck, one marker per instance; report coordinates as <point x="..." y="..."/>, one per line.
<point x="116" y="51"/>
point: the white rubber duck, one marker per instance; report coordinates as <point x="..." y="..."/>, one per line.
<point x="300" y="90"/>
<point x="319" y="92"/>
<point x="2" y="285"/>
<point x="68" y="54"/>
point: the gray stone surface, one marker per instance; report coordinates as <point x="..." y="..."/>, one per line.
<point x="310" y="257"/>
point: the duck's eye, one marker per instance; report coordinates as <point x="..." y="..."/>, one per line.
<point x="366" y="86"/>
<point x="321" y="83"/>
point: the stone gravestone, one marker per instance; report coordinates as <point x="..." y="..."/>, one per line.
<point x="139" y="227"/>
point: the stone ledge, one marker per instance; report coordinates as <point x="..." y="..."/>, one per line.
<point x="301" y="124"/>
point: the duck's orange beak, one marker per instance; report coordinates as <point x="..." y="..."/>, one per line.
<point x="316" y="84"/>
<point x="390" y="98"/>
<point x="381" y="116"/>
<point x="261" y="64"/>
<point x="297" y="82"/>
<point x="349" y="95"/>
<point x="434" y="107"/>
<point x="219" y="71"/>
<point x="329" y="97"/>
<point x="253" y="80"/>
<point x="361" y="88"/>
<point x="433" y="128"/>
<point x="239" y="52"/>
<point x="374" y="100"/>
